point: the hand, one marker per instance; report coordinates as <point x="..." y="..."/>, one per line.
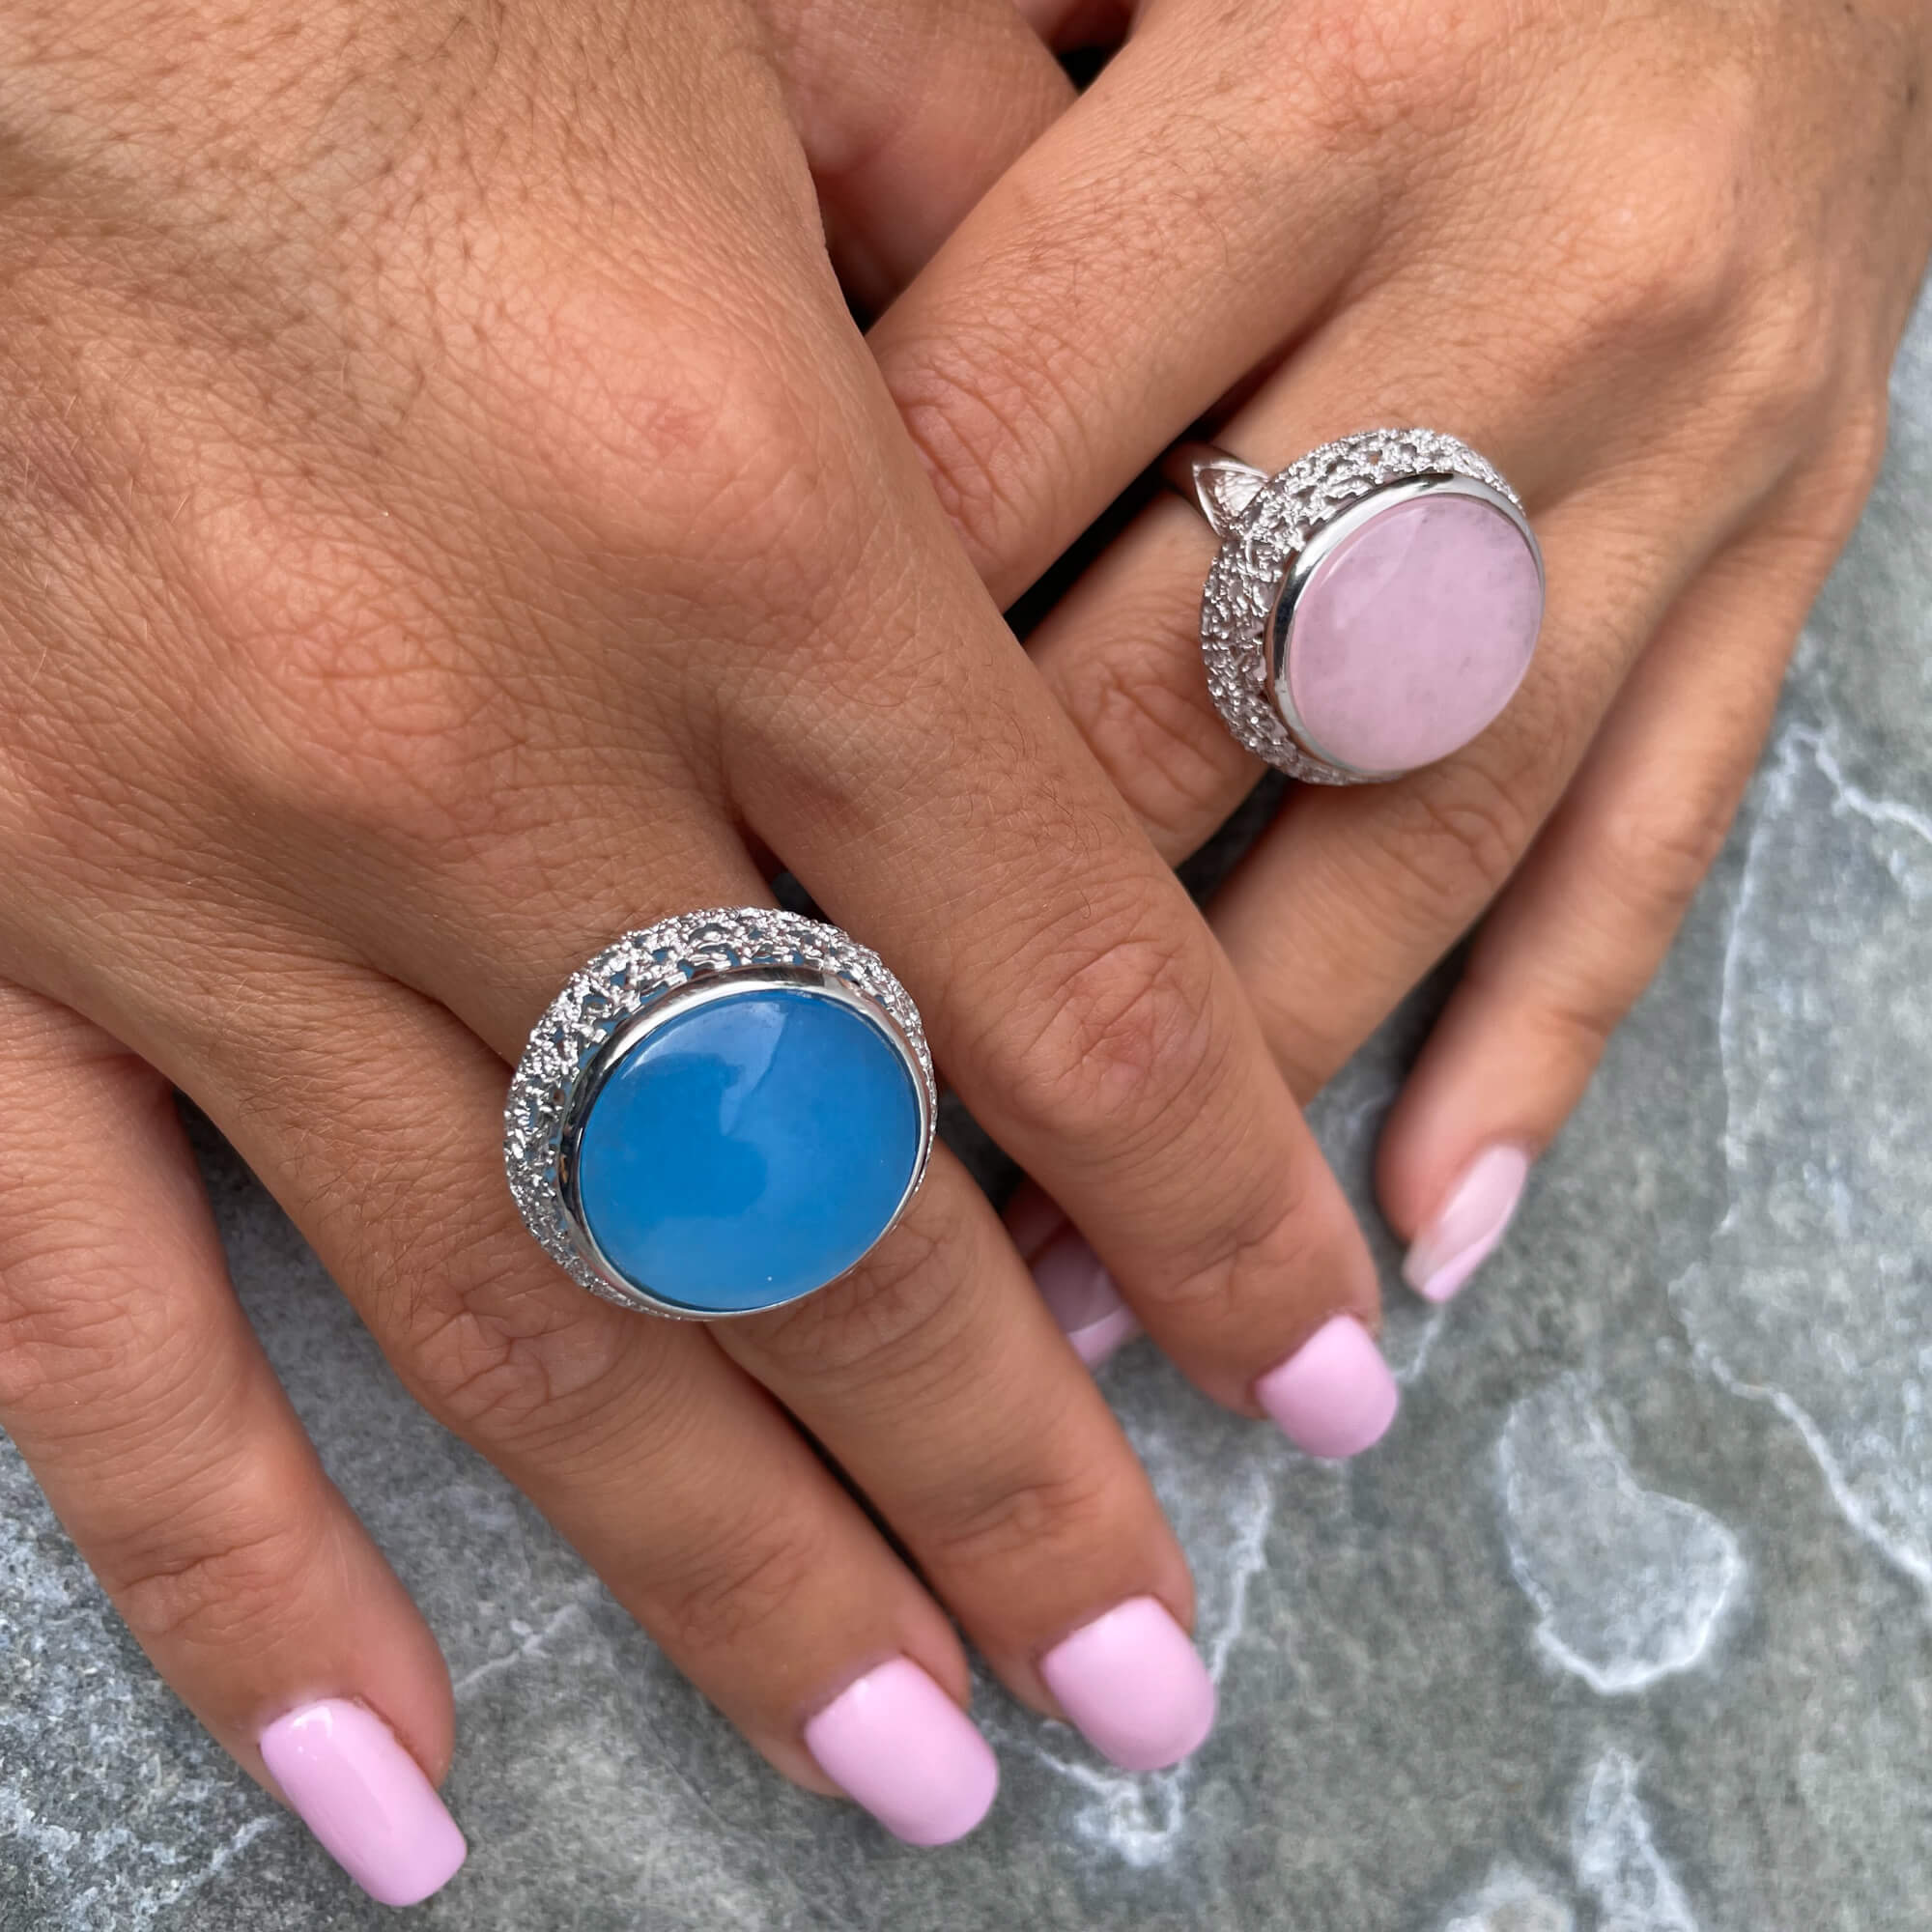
<point x="451" y="518"/>
<point x="1654" y="266"/>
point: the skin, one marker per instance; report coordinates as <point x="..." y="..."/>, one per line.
<point x="1653" y="261"/>
<point x="456" y="519"/>
<point x="452" y="517"/>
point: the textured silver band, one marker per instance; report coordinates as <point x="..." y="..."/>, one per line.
<point x="596" y="1010"/>
<point x="1265" y="522"/>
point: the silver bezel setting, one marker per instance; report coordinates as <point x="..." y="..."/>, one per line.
<point x="1272" y="546"/>
<point x="623" y="996"/>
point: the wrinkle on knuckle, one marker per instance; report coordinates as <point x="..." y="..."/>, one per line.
<point x="1662" y="245"/>
<point x="344" y="696"/>
<point x="1575" y="1027"/>
<point x="65" y="1349"/>
<point x="234" y="1589"/>
<point x="1119" y="1022"/>
<point x="1653" y="862"/>
<point x="1362" y="73"/>
<point x="519" y="1368"/>
<point x="1282" y="1238"/>
<point x="989" y="410"/>
<point x="1782" y="371"/>
<point x="1044" y="1516"/>
<point x="1854" y="456"/>
<point x="1154" y="736"/>
<point x="893" y="1316"/>
<point x="1455" y="842"/>
<point x="747" y="1580"/>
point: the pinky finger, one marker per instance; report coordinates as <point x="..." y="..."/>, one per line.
<point x="137" y="1394"/>
<point x="1587" y="918"/>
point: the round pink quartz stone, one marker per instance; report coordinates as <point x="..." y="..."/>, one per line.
<point x="1411" y="634"/>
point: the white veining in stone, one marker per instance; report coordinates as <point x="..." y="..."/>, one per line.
<point x="1387" y="1737"/>
<point x="1817" y="1294"/>
<point x="1617" y="1860"/>
<point x="64" y="1699"/>
<point x="1628" y="1585"/>
<point x="1507" y="1901"/>
<point x="573" y="1615"/>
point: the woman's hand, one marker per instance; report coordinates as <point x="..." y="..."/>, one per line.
<point x="450" y="517"/>
<point x="1652" y="262"/>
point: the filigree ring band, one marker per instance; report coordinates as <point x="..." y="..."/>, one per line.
<point x="721" y="1113"/>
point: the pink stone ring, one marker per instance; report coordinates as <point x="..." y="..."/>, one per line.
<point x="1374" y="605"/>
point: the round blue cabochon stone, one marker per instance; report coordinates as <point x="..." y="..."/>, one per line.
<point x="749" y="1150"/>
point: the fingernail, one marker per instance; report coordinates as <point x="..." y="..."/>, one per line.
<point x="1135" y="1685"/>
<point x="1469" y="1224"/>
<point x="365" y="1798"/>
<point x="1334" y="1396"/>
<point x="897" y="1744"/>
<point x="1081" y="1296"/>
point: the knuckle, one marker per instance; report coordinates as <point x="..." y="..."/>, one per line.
<point x="1661" y="238"/>
<point x="1288" y="1230"/>
<point x="1786" y="362"/>
<point x="249" y="1555"/>
<point x="1120" y="1026"/>
<point x="61" y="1350"/>
<point x="1654" y="864"/>
<point x="744" y="1582"/>
<point x="1455" y="840"/>
<point x="895" y="1314"/>
<point x="989" y="409"/>
<point x="1363" y="72"/>
<point x="1152" y="731"/>
<point x="347" y="701"/>
<point x="661" y="441"/>
<point x="1573" y="1027"/>
<point x="1849" y="468"/>
<point x="1029" y="1520"/>
<point x="505" y="1358"/>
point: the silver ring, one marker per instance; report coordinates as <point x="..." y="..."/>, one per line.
<point x="721" y="1113"/>
<point x="1270" y="609"/>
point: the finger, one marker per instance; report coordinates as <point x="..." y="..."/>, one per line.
<point x="1121" y="652"/>
<point x="908" y="114"/>
<point x="934" y="1376"/>
<point x="1356" y="891"/>
<point x="1584" y="924"/>
<point x="1352" y="895"/>
<point x="138" y="1395"/>
<point x="672" y="1473"/>
<point x="900" y="757"/>
<point x="1078" y="1291"/>
<point x="1082" y="1011"/>
<point x="1084" y="312"/>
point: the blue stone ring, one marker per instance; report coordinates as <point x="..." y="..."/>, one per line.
<point x="721" y="1113"/>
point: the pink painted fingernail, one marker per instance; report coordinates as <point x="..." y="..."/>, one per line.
<point x="897" y="1744"/>
<point x="1134" y="1684"/>
<point x="1469" y="1224"/>
<point x="1334" y="1396"/>
<point x="1082" y="1297"/>
<point x="365" y="1798"/>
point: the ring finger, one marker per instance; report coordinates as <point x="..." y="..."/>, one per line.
<point x="678" y="1479"/>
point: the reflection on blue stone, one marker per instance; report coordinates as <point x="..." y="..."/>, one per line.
<point x="749" y="1150"/>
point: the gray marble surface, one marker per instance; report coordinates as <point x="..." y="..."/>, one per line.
<point x="1624" y="1630"/>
